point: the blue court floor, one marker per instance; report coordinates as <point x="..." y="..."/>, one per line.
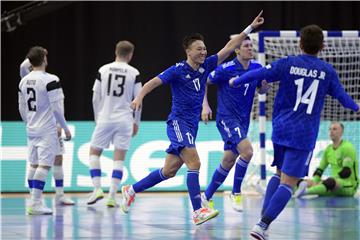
<point x="168" y="216"/>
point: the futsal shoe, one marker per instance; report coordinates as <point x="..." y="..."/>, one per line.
<point x="37" y="208"/>
<point x="95" y="196"/>
<point x="259" y="233"/>
<point x="111" y="202"/>
<point x="236" y="202"/>
<point x="127" y="199"/>
<point x="206" y="203"/>
<point x="60" y="199"/>
<point x="204" y="214"/>
<point x="301" y="189"/>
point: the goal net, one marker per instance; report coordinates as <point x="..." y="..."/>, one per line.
<point x="342" y="50"/>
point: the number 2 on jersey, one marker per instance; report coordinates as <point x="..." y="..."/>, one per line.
<point x="120" y="87"/>
<point x="32" y="98"/>
<point x="308" y="97"/>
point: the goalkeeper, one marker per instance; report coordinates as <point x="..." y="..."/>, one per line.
<point x="341" y="156"/>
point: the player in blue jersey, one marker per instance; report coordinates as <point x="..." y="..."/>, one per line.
<point x="232" y="120"/>
<point x="305" y="80"/>
<point x="187" y="80"/>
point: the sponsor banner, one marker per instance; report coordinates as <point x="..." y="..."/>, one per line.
<point x="147" y="153"/>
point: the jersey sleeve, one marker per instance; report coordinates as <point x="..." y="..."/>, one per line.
<point x="25" y="68"/>
<point x="349" y="156"/>
<point x="337" y="91"/>
<point x="271" y="73"/>
<point x="97" y="83"/>
<point x="54" y="90"/>
<point x="322" y="166"/>
<point x="217" y="76"/>
<point x="212" y="62"/>
<point x="168" y="75"/>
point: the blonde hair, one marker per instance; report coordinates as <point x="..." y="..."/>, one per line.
<point x="124" y="48"/>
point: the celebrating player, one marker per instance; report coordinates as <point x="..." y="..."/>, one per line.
<point x="305" y="80"/>
<point x="187" y="80"/>
<point x="232" y="121"/>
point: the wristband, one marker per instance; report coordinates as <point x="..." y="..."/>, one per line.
<point x="248" y="30"/>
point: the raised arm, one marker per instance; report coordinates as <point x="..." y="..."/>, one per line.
<point x="148" y="87"/>
<point x="236" y="41"/>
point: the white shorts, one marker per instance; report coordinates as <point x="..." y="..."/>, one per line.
<point x="118" y="134"/>
<point x="61" y="147"/>
<point x="42" y="150"/>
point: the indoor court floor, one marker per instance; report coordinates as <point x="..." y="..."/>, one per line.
<point x="168" y="216"/>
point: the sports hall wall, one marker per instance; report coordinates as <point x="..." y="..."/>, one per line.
<point x="81" y="37"/>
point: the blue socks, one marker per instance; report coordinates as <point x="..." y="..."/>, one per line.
<point x="270" y="190"/>
<point x="150" y="180"/>
<point x="277" y="203"/>
<point x="218" y="178"/>
<point x="240" y="171"/>
<point x="194" y="188"/>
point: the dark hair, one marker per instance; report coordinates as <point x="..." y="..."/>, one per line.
<point x="124" y="48"/>
<point x="189" y="39"/>
<point x="311" y="39"/>
<point x="36" y="55"/>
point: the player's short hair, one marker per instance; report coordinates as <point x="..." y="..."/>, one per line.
<point x="340" y="124"/>
<point x="311" y="39"/>
<point x="124" y="48"/>
<point x="36" y="55"/>
<point x="189" y="39"/>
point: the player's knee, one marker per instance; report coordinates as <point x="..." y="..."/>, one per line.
<point x="329" y="183"/>
<point x="247" y="154"/>
<point x="170" y="173"/>
<point x="228" y="162"/>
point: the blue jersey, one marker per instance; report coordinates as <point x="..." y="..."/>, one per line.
<point x="234" y="103"/>
<point x="188" y="89"/>
<point x="305" y="80"/>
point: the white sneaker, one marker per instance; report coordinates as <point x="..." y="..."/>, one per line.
<point x="95" y="196"/>
<point x="206" y="203"/>
<point x="111" y="202"/>
<point x="259" y="233"/>
<point x="37" y="208"/>
<point x="62" y="200"/>
<point x="236" y="202"/>
<point x="127" y="199"/>
<point x="204" y="214"/>
<point x="301" y="190"/>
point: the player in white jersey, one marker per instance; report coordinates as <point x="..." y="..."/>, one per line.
<point x="40" y="99"/>
<point x="116" y="85"/>
<point x="58" y="171"/>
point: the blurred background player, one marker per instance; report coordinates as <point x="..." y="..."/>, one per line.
<point x="58" y="171"/>
<point x="187" y="80"/>
<point x="232" y="120"/>
<point x="305" y="80"/>
<point x="341" y="156"/>
<point x="40" y="100"/>
<point x="115" y="87"/>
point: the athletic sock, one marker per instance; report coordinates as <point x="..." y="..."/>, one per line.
<point x="194" y="188"/>
<point x="240" y="171"/>
<point x="270" y="190"/>
<point x="150" y="180"/>
<point x="218" y="178"/>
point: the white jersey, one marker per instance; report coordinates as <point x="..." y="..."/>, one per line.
<point x="36" y="91"/>
<point x="25" y="68"/>
<point x="116" y="84"/>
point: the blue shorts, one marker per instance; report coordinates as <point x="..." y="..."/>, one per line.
<point x="181" y="135"/>
<point x="291" y="161"/>
<point x="232" y="133"/>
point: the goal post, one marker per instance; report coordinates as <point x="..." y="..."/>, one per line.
<point x="342" y="50"/>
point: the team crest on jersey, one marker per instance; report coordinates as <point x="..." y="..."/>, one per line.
<point x="188" y="76"/>
<point x="201" y="70"/>
<point x="268" y="66"/>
